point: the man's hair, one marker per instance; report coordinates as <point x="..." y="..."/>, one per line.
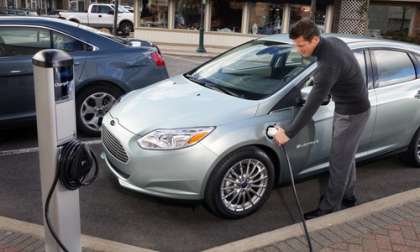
<point x="305" y="28"/>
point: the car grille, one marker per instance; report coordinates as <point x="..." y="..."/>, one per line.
<point x="113" y="145"/>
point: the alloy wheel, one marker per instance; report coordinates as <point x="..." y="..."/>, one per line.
<point x="93" y="109"/>
<point x="244" y="184"/>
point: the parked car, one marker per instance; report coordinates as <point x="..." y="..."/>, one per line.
<point x="202" y="135"/>
<point x="102" y="16"/>
<point x="105" y="67"/>
<point x="17" y="12"/>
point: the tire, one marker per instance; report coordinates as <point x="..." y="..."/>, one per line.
<point x="229" y="170"/>
<point x="92" y="103"/>
<point x="412" y="155"/>
<point x="126" y="27"/>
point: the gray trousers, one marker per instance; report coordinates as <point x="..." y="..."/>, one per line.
<point x="347" y="132"/>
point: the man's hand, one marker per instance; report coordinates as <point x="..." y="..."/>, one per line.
<point x="281" y="138"/>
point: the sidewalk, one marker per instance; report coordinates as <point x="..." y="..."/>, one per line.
<point x="190" y="50"/>
<point x="388" y="224"/>
<point x="396" y="229"/>
<point x="19" y="236"/>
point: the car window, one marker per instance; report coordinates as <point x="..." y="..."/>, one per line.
<point x="104" y="9"/>
<point x="121" y="9"/>
<point x="255" y="70"/>
<point x="418" y="64"/>
<point x="95" y="9"/>
<point x="308" y="82"/>
<point x="393" y="67"/>
<point x="360" y="57"/>
<point x="16" y="41"/>
<point x="68" y="44"/>
<point x="20" y="13"/>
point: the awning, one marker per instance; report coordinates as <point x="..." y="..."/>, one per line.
<point x="303" y="2"/>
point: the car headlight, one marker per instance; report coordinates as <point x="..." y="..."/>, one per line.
<point x="170" y="139"/>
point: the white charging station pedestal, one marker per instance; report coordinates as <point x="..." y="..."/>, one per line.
<point x="56" y="125"/>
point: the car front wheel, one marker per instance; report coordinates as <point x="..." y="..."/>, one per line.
<point x="241" y="183"/>
<point x="92" y="104"/>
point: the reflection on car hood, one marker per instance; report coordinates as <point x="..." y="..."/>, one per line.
<point x="176" y="103"/>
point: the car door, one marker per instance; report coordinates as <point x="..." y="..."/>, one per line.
<point x="94" y="16"/>
<point x="397" y="89"/>
<point x="105" y="19"/>
<point x="315" y="139"/>
<point x="17" y="46"/>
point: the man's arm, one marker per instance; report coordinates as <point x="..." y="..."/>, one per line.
<point x="324" y="79"/>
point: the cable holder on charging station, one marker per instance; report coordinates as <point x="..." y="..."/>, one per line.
<point x="77" y="166"/>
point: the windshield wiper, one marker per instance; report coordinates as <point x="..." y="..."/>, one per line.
<point x="223" y="89"/>
<point x="212" y="85"/>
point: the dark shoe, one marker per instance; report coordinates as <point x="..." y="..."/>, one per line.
<point x="346" y="202"/>
<point x="316" y="213"/>
<point x="349" y="202"/>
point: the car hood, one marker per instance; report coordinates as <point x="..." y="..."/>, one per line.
<point x="178" y="103"/>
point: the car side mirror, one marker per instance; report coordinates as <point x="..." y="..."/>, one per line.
<point x="111" y="12"/>
<point x="304" y="92"/>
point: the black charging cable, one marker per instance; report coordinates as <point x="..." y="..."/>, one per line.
<point x="299" y="206"/>
<point x="77" y="166"/>
<point x="271" y="131"/>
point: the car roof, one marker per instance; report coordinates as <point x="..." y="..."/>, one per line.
<point x="351" y="40"/>
<point x="61" y="25"/>
<point x="37" y="20"/>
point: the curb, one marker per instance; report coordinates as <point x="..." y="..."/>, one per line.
<point x="86" y="241"/>
<point x="326" y="221"/>
<point x="189" y="54"/>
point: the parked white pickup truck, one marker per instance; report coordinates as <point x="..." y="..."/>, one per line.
<point x="102" y="15"/>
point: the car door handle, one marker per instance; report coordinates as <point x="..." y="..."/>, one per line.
<point x="15" y="71"/>
<point x="100" y="16"/>
<point x="417" y="96"/>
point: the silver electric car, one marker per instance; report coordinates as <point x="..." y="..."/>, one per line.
<point x="202" y="135"/>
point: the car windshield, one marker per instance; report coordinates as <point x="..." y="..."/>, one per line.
<point x="253" y="71"/>
<point x="121" y="9"/>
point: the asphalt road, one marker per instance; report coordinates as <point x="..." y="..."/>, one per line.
<point x="111" y="212"/>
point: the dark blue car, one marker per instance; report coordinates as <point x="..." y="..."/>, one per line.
<point x="105" y="67"/>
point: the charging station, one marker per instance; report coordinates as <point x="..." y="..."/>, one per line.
<point x="56" y="126"/>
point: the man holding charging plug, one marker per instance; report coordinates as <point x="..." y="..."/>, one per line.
<point x="338" y="74"/>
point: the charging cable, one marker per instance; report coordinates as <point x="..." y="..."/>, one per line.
<point x="271" y="132"/>
<point x="77" y="166"/>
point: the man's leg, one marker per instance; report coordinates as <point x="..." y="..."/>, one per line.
<point x="349" y="192"/>
<point x="346" y="137"/>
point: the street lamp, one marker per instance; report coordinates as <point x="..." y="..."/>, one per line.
<point x="313" y="10"/>
<point x="200" y="48"/>
<point x="115" y="28"/>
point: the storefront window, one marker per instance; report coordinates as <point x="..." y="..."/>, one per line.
<point x="154" y="13"/>
<point x="33" y="4"/>
<point x="73" y="5"/>
<point x="11" y="4"/>
<point x="188" y="14"/>
<point x="226" y="15"/>
<point x="389" y="21"/>
<point x="265" y="18"/>
<point x="298" y="12"/>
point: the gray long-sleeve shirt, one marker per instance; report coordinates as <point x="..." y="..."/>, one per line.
<point x="338" y="73"/>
